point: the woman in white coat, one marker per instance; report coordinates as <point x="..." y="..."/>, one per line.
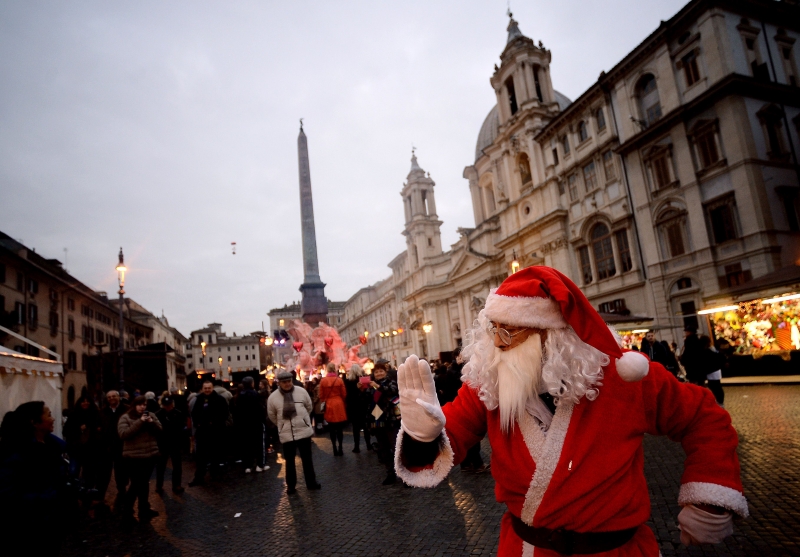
<point x="290" y="408"/>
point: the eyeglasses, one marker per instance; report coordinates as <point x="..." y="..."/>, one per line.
<point x="505" y="337"/>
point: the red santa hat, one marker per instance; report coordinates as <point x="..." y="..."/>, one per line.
<point x="544" y="298"/>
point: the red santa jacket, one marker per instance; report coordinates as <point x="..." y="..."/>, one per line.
<point x="587" y="473"/>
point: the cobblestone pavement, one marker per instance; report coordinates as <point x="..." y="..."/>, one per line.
<point x="354" y="514"/>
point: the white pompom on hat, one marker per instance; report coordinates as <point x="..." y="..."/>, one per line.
<point x="544" y="298"/>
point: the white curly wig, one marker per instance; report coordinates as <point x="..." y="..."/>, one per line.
<point x="571" y="369"/>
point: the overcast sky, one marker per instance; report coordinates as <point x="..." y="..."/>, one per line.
<point x="170" y="128"/>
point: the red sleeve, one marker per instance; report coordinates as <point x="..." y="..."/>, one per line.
<point x="466" y="421"/>
<point x="690" y="415"/>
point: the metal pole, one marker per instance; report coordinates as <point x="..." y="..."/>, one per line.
<point x="121" y="272"/>
<point x="121" y="342"/>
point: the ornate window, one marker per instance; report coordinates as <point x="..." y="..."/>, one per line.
<point x="600" y="119"/>
<point x="706" y="143"/>
<point x="583" y="133"/>
<point x="608" y="166"/>
<point x="603" y="251"/>
<point x="789" y="198"/>
<point x="572" y="183"/>
<point x="524" y="169"/>
<point x="565" y="144"/>
<point x="752" y="50"/>
<point x="659" y="162"/>
<point x="586" y="264"/>
<point x="671" y="226"/>
<point x="649" y="102"/>
<point x="786" y="48"/>
<point x="691" y="72"/>
<point x="721" y="218"/>
<point x="624" y="250"/>
<point x="771" y="118"/>
<point x="590" y="177"/>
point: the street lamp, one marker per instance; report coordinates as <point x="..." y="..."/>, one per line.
<point x="427" y="327"/>
<point x="220" y="366"/>
<point x="514" y="263"/>
<point x="121" y="269"/>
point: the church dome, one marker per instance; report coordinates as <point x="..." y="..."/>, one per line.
<point x="491" y="125"/>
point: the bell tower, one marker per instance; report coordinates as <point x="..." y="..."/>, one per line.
<point x="523" y="79"/>
<point x="422" y="228"/>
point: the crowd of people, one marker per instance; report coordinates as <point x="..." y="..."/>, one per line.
<point x="128" y="437"/>
<point x="700" y="361"/>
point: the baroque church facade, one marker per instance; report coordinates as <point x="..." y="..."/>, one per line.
<point x="669" y="185"/>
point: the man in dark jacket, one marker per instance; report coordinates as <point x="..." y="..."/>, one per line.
<point x="692" y="357"/>
<point x="111" y="452"/>
<point x="170" y="443"/>
<point x="209" y="415"/>
<point x="653" y="349"/>
<point x="249" y="418"/>
<point x="387" y="422"/>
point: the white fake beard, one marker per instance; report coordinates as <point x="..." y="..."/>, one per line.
<point x="519" y="372"/>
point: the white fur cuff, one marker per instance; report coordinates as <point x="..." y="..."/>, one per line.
<point x="542" y="313"/>
<point x="713" y="494"/>
<point x="429" y="477"/>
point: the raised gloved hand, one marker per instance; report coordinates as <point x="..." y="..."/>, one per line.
<point x="421" y="416"/>
<point x="699" y="526"/>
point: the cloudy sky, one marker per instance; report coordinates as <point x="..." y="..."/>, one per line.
<point x="170" y="128"/>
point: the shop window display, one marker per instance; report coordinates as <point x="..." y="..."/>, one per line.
<point x="760" y="327"/>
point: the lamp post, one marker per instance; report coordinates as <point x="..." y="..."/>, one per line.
<point x="121" y="269"/>
<point x="221" y="375"/>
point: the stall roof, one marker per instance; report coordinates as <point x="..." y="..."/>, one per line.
<point x="16" y="362"/>
<point x="617" y="319"/>
<point x="786" y="278"/>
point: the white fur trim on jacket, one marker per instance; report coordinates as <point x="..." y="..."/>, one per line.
<point x="713" y="494"/>
<point x="542" y="313"/>
<point x="429" y="477"/>
<point x="545" y="456"/>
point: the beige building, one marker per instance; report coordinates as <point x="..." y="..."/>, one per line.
<point x="210" y="350"/>
<point x="40" y="301"/>
<point x="635" y="190"/>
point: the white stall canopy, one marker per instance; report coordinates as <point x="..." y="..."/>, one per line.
<point x="24" y="378"/>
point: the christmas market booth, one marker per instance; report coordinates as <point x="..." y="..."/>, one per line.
<point x="630" y="328"/>
<point x="763" y="332"/>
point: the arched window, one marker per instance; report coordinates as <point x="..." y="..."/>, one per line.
<point x="525" y="169"/>
<point x="583" y="133"/>
<point x="649" y="102"/>
<point x="603" y="251"/>
<point x="672" y="224"/>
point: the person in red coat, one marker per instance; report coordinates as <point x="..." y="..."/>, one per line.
<point x="565" y="411"/>
<point x="333" y="393"/>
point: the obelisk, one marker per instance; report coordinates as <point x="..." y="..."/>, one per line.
<point x="314" y="306"/>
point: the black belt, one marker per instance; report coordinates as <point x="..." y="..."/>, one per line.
<point x="568" y="542"/>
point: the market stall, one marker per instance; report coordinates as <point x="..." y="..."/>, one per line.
<point x="759" y="327"/>
<point x="25" y="378"/>
<point x="630" y="328"/>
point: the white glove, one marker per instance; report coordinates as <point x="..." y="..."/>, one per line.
<point x="421" y="416"/>
<point x="698" y="526"/>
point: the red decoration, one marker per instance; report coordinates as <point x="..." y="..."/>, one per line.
<point x="297" y="346"/>
<point x="363" y="339"/>
<point x="329" y="342"/>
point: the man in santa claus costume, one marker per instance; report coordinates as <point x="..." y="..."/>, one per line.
<point x="566" y="411"/>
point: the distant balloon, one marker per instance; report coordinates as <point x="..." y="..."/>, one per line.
<point x="233" y="245"/>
